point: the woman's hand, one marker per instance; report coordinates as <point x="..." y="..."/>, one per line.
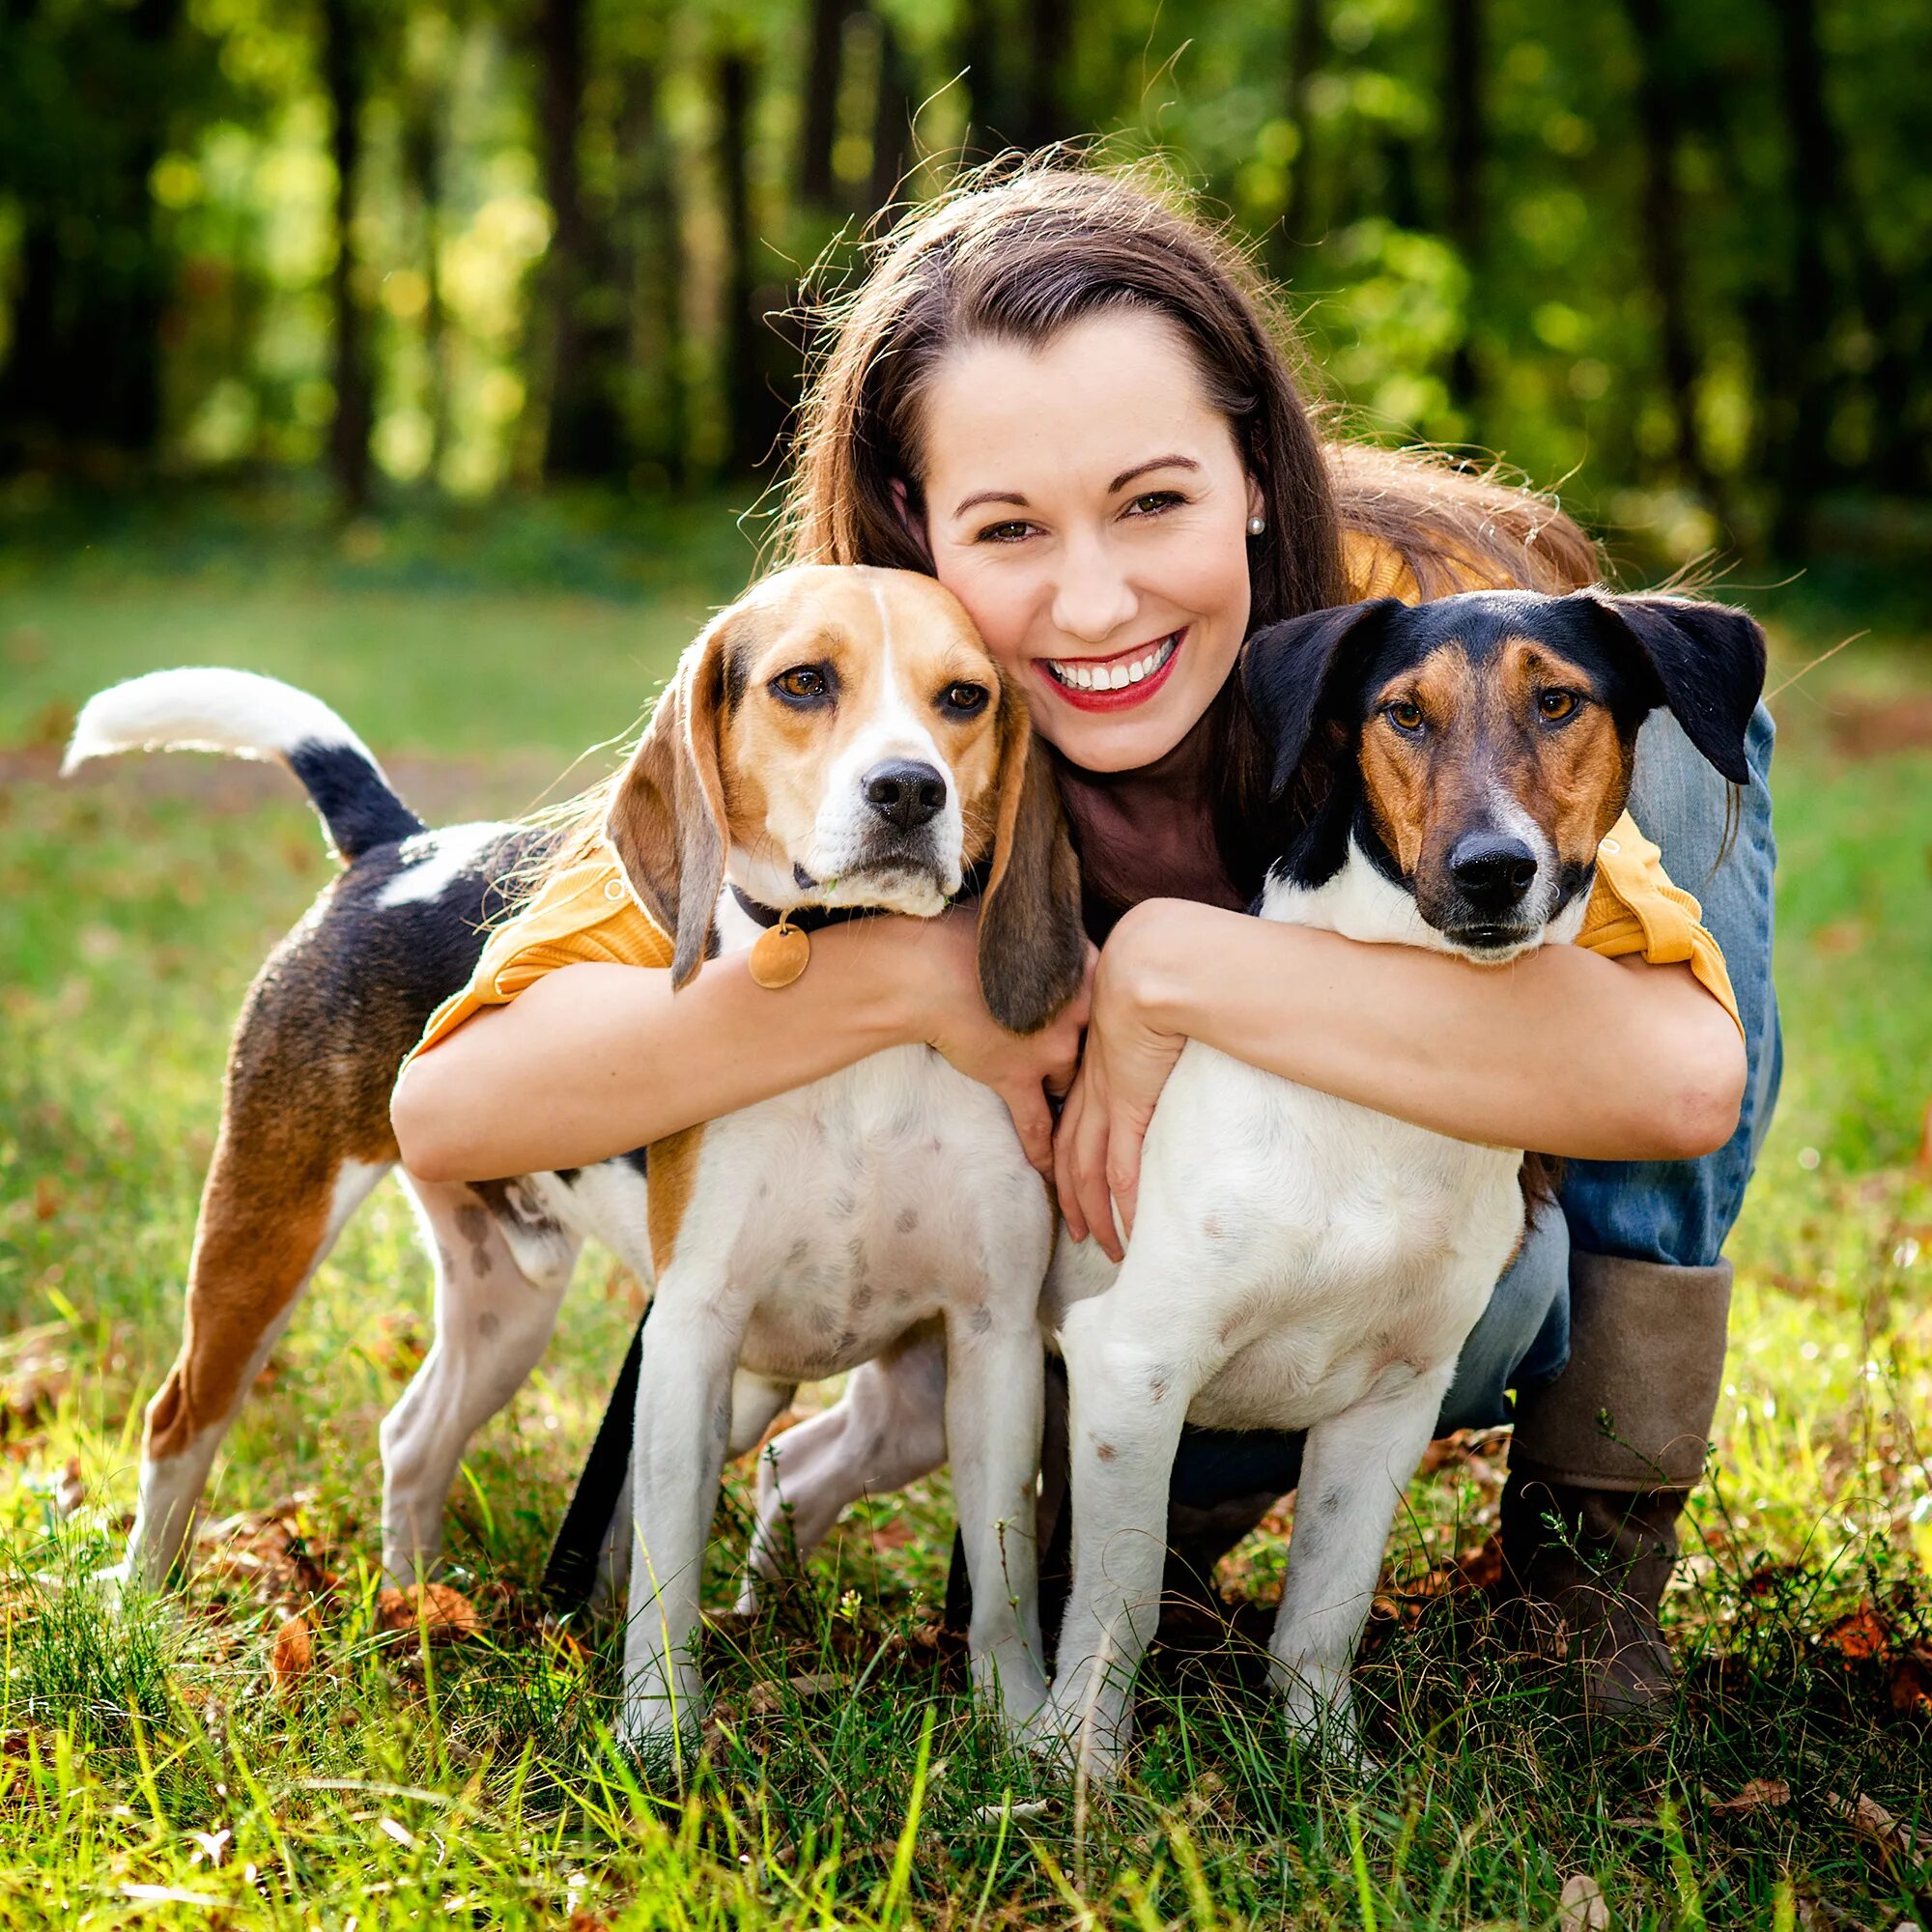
<point x="951" y="1017"/>
<point x="1129" y="1056"/>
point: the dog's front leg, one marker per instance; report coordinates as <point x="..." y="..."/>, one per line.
<point x="682" y="1430"/>
<point x="1355" y="1471"/>
<point x="995" y="1402"/>
<point x="1124" y="1428"/>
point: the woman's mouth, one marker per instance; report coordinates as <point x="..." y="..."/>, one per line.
<point x="1116" y="683"/>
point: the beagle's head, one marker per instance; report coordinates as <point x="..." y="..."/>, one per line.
<point x="840" y="736"/>
<point x="1479" y="747"/>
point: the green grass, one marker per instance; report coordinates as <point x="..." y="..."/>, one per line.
<point x="151" y="1773"/>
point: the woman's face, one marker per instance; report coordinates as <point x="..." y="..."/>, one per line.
<point x="1088" y="505"/>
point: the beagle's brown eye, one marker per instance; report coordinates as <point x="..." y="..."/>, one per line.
<point x="1406" y="714"/>
<point x="966" y="701"/>
<point x="1556" y="706"/>
<point x="803" y="683"/>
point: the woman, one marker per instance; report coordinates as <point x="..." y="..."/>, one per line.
<point x="1070" y="403"/>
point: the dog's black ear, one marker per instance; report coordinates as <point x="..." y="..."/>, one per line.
<point x="1033" y="946"/>
<point x="667" y="816"/>
<point x="1287" y="671"/>
<point x="1706" y="662"/>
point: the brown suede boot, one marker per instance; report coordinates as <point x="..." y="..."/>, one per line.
<point x="1585" y="1571"/>
<point x="1603" y="1460"/>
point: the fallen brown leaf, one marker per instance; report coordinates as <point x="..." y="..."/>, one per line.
<point x="1912" y="1682"/>
<point x="443" y="1612"/>
<point x="1582" y="1906"/>
<point x="1757" y="1794"/>
<point x="1859" y="1638"/>
<point x="293" y="1658"/>
<point x="1870" y="1819"/>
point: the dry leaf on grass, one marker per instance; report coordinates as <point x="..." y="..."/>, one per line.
<point x="443" y="1612"/>
<point x="293" y="1656"/>
<point x="1859" y="1638"/>
<point x="769" y="1696"/>
<point x="1582" y="1906"/>
<point x="1758" y="1794"/>
<point x="1870" y="1819"/>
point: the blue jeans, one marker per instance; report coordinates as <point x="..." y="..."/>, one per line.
<point x="1677" y="1211"/>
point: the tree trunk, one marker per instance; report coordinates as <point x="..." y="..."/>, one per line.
<point x="343" y="76"/>
<point x="754" y="412"/>
<point x="82" y="381"/>
<point x="653" y="226"/>
<point x="1050" y="49"/>
<point x="583" y="323"/>
<point x="980" y="55"/>
<point x="423" y="163"/>
<point x="818" y="129"/>
<point x="1308" y="39"/>
<point x="1465" y="133"/>
<point x="1811" y="298"/>
<point x="895" y="103"/>
<point x="1662" y="220"/>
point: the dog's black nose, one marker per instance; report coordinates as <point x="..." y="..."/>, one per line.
<point x="1490" y="868"/>
<point x="905" y="794"/>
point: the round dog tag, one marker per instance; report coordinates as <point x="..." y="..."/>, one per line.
<point x="779" y="954"/>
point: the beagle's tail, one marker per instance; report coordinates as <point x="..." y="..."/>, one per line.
<point x="251" y="717"/>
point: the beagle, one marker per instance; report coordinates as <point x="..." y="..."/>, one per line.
<point x="837" y="738"/>
<point x="1443" y="777"/>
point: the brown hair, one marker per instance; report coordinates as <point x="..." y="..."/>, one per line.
<point x="1017" y="258"/>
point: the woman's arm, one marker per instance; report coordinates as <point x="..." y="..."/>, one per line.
<point x="1564" y="1051"/>
<point x="593" y="1060"/>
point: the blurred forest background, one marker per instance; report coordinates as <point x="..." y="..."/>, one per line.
<point x="1677" y="260"/>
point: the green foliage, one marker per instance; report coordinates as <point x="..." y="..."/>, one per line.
<point x="1673" y="259"/>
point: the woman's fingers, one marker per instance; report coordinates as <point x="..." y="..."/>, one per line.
<point x="1090" y="1176"/>
<point x="1063" y="1160"/>
<point x="1124" y="1135"/>
<point x="1033" y="1119"/>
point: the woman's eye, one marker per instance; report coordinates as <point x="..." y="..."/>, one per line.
<point x="1556" y="706"/>
<point x="801" y="681"/>
<point x="1004" y="532"/>
<point x="1154" y="502"/>
<point x="1405" y="715"/>
<point x="967" y="701"/>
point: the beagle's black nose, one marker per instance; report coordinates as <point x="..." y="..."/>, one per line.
<point x="905" y="794"/>
<point x="1492" y="870"/>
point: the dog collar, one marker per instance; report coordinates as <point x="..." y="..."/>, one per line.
<point x="782" y="950"/>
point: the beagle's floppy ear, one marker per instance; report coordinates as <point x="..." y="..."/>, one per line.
<point x="1705" y="661"/>
<point x="1287" y="671"/>
<point x="1033" y="946"/>
<point x="666" y="819"/>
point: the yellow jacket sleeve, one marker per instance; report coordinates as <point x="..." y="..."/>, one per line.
<point x="1634" y="906"/>
<point x="582" y="912"/>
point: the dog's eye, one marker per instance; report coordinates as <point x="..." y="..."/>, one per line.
<point x="803" y="683"/>
<point x="966" y="701"/>
<point x="1406" y="714"/>
<point x="1556" y="706"/>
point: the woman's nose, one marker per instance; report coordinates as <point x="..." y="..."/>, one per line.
<point x="1091" y="597"/>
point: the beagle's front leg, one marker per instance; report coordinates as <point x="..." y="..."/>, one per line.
<point x="1127" y="1404"/>
<point x="677" y="1456"/>
<point x="995" y="1404"/>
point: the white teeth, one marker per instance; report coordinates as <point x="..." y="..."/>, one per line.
<point x="1084" y="676"/>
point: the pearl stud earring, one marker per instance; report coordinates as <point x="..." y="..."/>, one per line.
<point x="1256" y="525"/>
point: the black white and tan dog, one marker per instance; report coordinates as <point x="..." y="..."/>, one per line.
<point x="842" y="726"/>
<point x="1445" y="776"/>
